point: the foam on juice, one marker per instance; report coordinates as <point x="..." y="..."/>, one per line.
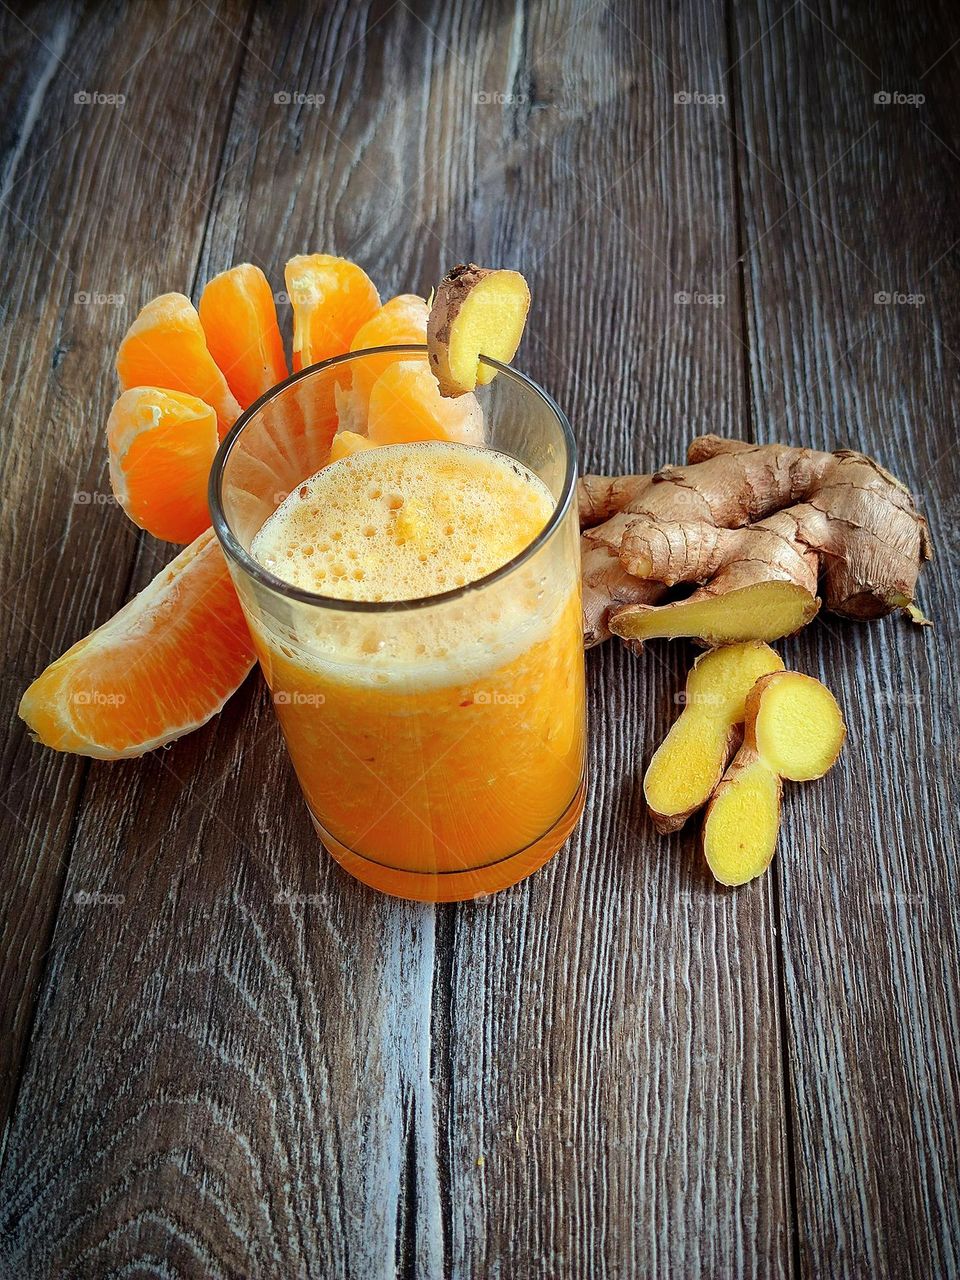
<point x="402" y="522"/>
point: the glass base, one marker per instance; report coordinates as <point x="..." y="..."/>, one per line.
<point x="457" y="886"/>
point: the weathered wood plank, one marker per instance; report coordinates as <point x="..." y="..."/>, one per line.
<point x="618" y="1068"/>
<point x="845" y="198"/>
<point x="100" y="201"/>
<point x="243" y="1063"/>
<point x="306" y="1086"/>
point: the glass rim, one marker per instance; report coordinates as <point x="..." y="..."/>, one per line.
<point x="233" y="548"/>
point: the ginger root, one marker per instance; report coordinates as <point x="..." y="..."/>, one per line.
<point x="476" y="311"/>
<point x="793" y="729"/>
<point x="760" y="529"/>
<point x="688" y="764"/>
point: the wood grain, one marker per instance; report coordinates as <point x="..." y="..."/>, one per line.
<point x="844" y="199"/>
<point x="240" y="1062"/>
<point x="103" y="207"/>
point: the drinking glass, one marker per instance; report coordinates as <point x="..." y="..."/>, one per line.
<point x="439" y="742"/>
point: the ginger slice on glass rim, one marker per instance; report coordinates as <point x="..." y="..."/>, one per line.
<point x="477" y="311"/>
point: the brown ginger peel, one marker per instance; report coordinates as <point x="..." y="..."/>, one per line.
<point x="760" y="530"/>
<point x="477" y="311"/>
<point x="793" y="729"/>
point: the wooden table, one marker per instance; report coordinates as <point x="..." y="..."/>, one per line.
<point x="221" y="1057"/>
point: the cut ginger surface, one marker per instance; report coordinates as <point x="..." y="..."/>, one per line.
<point x="239" y="319"/>
<point x="159" y="668"/>
<point x="331" y="298"/>
<point x="166" y="347"/>
<point x="690" y="761"/>
<point x="793" y="729"/>
<point x="161" y="445"/>
<point x="743" y="821"/>
<point x="797" y="725"/>
<point x="476" y="312"/>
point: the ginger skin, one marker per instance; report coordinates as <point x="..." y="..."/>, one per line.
<point x="759" y="529"/>
<point x="688" y="764"/>
<point x="476" y="312"/>
<point x="793" y="729"/>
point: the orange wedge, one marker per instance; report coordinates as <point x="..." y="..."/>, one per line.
<point x="239" y="319"/>
<point x="406" y="405"/>
<point x="401" y="320"/>
<point x="165" y="347"/>
<point x="331" y="299"/>
<point x="161" y="446"/>
<point x="161" y="667"/>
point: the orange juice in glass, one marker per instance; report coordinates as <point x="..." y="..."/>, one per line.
<point x="416" y="612"/>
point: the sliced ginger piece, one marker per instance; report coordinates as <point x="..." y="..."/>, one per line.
<point x="793" y="729"/>
<point x="765" y="611"/>
<point x="688" y="764"/>
<point x="476" y="312"/>
<point x="797" y="726"/>
<point x="740" y="830"/>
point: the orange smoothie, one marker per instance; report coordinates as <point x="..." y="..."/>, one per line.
<point x="440" y="747"/>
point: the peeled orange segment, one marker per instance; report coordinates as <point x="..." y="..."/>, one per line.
<point x="161" y="667"/>
<point x="401" y="320"/>
<point x="161" y="446"/>
<point x="165" y="347"/>
<point x="347" y="442"/>
<point x="331" y="299"/>
<point x="406" y="405"/>
<point x="239" y="319"/>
